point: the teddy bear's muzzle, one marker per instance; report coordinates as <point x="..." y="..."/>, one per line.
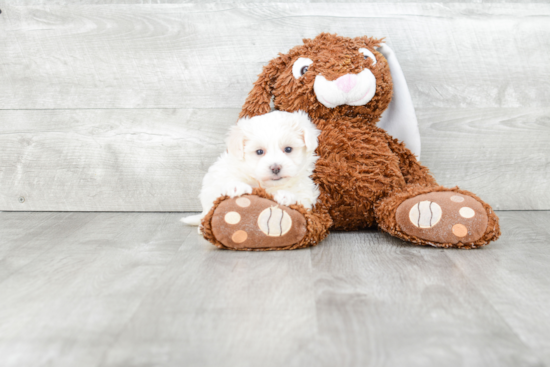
<point x="350" y="89"/>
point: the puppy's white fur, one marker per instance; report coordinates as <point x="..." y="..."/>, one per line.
<point x="284" y="175"/>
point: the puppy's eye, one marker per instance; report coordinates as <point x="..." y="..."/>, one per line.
<point x="367" y="54"/>
<point x="260" y="152"/>
<point x="288" y="149"/>
<point x="301" y="66"/>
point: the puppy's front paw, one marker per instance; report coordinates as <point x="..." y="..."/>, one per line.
<point x="235" y="189"/>
<point x="285" y="197"/>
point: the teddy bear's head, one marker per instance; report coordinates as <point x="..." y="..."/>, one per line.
<point x="327" y="76"/>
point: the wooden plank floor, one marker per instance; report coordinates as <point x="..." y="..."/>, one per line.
<point x="140" y="289"/>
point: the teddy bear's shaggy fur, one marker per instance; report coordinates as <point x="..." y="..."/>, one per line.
<point x="363" y="174"/>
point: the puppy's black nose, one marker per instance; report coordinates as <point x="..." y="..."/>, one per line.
<point x="275" y="168"/>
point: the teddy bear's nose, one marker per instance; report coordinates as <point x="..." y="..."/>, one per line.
<point x="346" y="82"/>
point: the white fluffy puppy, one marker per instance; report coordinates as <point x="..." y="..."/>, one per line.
<point x="275" y="151"/>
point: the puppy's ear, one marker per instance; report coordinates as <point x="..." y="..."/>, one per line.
<point x="309" y="132"/>
<point x="259" y="98"/>
<point x="235" y="142"/>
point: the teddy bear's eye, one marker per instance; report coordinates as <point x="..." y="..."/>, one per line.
<point x="259" y="152"/>
<point x="301" y="66"/>
<point x="368" y="54"/>
<point x="288" y="149"/>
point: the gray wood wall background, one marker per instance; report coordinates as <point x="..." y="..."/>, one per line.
<point x="123" y="105"/>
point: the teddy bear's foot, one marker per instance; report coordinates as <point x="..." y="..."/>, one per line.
<point x="252" y="222"/>
<point x="444" y="218"/>
<point x="257" y="223"/>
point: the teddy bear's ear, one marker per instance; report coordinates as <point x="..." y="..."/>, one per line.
<point x="399" y="119"/>
<point x="259" y="98"/>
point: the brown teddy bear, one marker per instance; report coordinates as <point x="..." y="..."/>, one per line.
<point x="365" y="176"/>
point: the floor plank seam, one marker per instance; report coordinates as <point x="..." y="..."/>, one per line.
<point x="138" y="306"/>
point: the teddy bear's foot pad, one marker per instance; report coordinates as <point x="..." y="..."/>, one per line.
<point x="443" y="217"/>
<point x="252" y="222"/>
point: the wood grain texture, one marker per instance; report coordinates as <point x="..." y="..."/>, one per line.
<point x="157" y="2"/>
<point x="222" y="308"/>
<point x="108" y="160"/>
<point x="481" y="96"/>
<point x="208" y="55"/>
<point x="154" y="160"/>
<point x="507" y="274"/>
<point x="393" y="304"/>
<point x="501" y="154"/>
<point x="81" y="281"/>
<point x="140" y="289"/>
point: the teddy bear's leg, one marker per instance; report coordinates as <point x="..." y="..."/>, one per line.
<point x="256" y="222"/>
<point x="438" y="216"/>
<point x="413" y="172"/>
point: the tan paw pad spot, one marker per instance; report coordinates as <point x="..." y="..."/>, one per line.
<point x="466" y="212"/>
<point x="239" y="236"/>
<point x="457" y="199"/>
<point x="274" y="222"/>
<point x="460" y="230"/>
<point x="243" y="202"/>
<point x="425" y="214"/>
<point x="232" y="218"/>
